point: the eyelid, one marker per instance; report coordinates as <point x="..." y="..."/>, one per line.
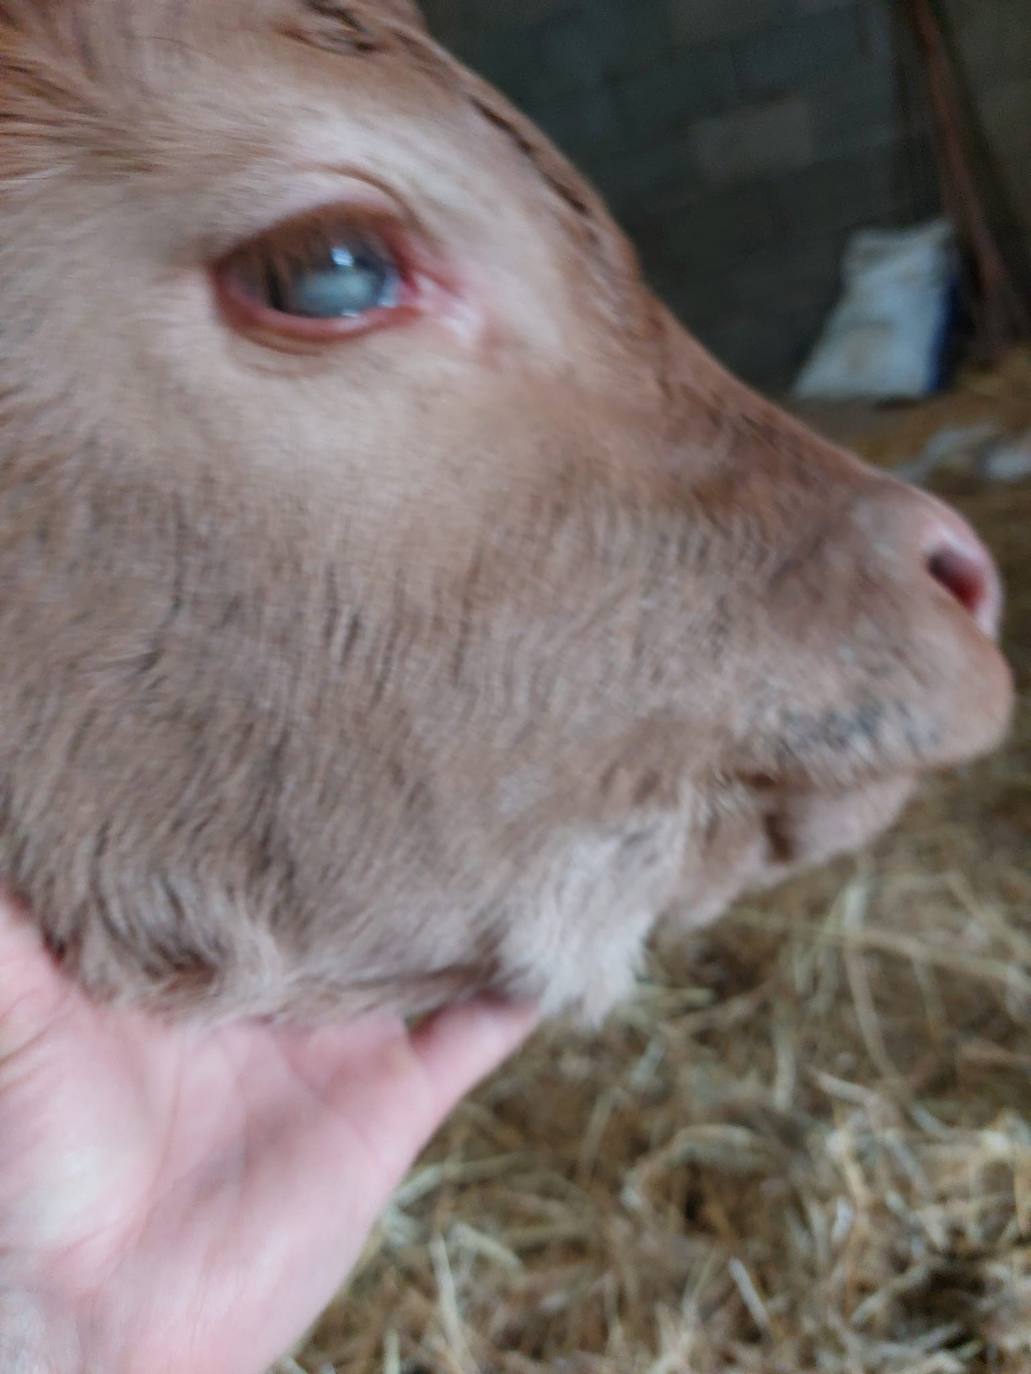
<point x="262" y="323"/>
<point x="366" y="191"/>
<point x="346" y="220"/>
<point x="249" y="209"/>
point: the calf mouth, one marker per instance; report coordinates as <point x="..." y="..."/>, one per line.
<point x="808" y="786"/>
<point x="945" y="698"/>
<point x="757" y="832"/>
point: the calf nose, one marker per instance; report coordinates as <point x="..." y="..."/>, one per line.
<point x="954" y="557"/>
<point x="932" y="552"/>
<point x="930" y="598"/>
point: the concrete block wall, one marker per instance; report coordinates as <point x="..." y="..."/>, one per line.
<point x="993" y="41"/>
<point x="739" y="141"/>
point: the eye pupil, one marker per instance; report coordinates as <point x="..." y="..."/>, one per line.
<point x="273" y="288"/>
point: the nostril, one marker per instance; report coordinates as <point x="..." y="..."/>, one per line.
<point x="968" y="574"/>
<point x="960" y="575"/>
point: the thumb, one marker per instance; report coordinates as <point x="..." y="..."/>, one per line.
<point x="460" y="1046"/>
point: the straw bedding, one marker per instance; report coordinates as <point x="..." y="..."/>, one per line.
<point x="805" y="1146"/>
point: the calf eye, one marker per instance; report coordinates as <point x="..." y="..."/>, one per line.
<point x="317" y="277"/>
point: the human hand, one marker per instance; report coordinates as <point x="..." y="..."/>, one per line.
<point x="182" y="1201"/>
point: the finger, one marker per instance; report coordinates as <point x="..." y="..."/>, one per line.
<point x="460" y="1046"/>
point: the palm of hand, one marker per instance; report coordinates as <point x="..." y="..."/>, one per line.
<point x="191" y="1199"/>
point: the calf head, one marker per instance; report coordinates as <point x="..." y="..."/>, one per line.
<point x="397" y="602"/>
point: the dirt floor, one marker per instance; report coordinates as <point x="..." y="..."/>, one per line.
<point x="806" y="1146"/>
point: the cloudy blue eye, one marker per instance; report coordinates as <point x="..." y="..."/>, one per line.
<point x="348" y="280"/>
<point x="320" y="271"/>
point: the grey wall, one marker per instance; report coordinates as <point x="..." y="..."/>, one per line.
<point x="993" y="41"/>
<point x="739" y="141"/>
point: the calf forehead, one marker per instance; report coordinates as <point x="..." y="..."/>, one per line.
<point x="120" y="49"/>
<point x="356" y="30"/>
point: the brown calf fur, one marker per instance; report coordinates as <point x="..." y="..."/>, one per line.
<point x="442" y="657"/>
